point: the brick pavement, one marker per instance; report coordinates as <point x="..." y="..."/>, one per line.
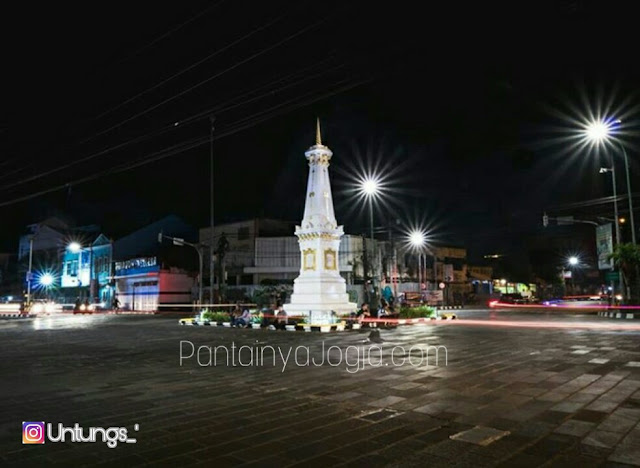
<point x="508" y="397"/>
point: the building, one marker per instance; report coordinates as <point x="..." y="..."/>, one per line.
<point x="150" y="275"/>
<point x="237" y="243"/>
<point x="43" y="249"/>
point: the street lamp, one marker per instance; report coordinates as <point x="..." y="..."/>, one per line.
<point x="76" y="248"/>
<point x="573" y="262"/>
<point x="369" y="188"/>
<point x="46" y="280"/>
<point x="599" y="132"/>
<point x="417" y="239"/>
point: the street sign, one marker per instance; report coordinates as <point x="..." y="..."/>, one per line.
<point x="612" y="276"/>
<point x="604" y="246"/>
<point x="178" y="241"/>
<point x="441" y="285"/>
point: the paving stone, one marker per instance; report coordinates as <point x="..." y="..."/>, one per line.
<point x="480" y="435"/>
<point x="626" y="453"/>
<point x="567" y="407"/>
<point x="604" y="439"/>
<point x="386" y="401"/>
<point x="589" y="416"/>
<point x="575" y="427"/>
<point x="598" y="361"/>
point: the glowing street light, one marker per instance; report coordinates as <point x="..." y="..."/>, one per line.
<point x="369" y="188"/>
<point x="46" y="280"/>
<point x="417" y="240"/>
<point x="599" y="132"/>
<point x="74" y="247"/>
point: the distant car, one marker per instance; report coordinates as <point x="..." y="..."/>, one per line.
<point x="42" y="306"/>
<point x="578" y="301"/>
<point x="84" y="309"/>
<point x="513" y="298"/>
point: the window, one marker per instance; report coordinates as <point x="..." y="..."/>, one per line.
<point x="72" y="269"/>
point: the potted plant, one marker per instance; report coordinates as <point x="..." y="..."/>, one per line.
<point x="256" y="320"/>
<point x="416" y="314"/>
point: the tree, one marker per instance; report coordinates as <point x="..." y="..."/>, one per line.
<point x="626" y="257"/>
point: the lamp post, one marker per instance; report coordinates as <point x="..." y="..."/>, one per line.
<point x="418" y="241"/>
<point x="573" y="262"/>
<point x="626" y="163"/>
<point x="599" y="132"/>
<point x="369" y="188"/>
<point x="76" y="247"/>
<point x="29" y="273"/>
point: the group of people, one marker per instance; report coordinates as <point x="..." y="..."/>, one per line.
<point x="274" y="316"/>
<point x="240" y="318"/>
<point x="385" y="309"/>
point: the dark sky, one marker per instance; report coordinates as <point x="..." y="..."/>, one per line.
<point x="455" y="104"/>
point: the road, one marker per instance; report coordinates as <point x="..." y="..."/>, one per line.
<point x="543" y="390"/>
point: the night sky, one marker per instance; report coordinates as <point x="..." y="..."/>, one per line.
<point x="457" y="106"/>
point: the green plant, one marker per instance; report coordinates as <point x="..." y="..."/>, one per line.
<point x="626" y="258"/>
<point x="216" y="316"/>
<point x="298" y="320"/>
<point x="417" y="312"/>
<point x="256" y="318"/>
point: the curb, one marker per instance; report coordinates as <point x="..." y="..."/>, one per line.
<point x="321" y="328"/>
<point x="619" y="315"/>
<point x="455" y="307"/>
<point x="24" y="316"/>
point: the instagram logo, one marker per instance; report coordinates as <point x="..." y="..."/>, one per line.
<point x="33" y="432"/>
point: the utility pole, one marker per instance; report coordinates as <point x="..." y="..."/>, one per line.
<point x="29" y="274"/>
<point x="211" y="266"/>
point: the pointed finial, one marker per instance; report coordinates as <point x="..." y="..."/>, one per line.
<point x="318" y="138"/>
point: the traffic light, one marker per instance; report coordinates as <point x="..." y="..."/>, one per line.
<point x="160" y="237"/>
<point x="545" y="220"/>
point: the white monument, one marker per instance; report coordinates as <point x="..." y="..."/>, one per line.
<point x="319" y="290"/>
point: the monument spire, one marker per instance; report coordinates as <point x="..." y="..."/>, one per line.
<point x="319" y="292"/>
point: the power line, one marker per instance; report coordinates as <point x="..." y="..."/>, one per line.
<point x="180" y="148"/>
<point x="228" y="105"/>
<point x="214" y="76"/>
<point x="181" y="72"/>
<point x="171" y="31"/>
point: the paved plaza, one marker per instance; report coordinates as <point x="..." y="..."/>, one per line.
<point x="547" y="395"/>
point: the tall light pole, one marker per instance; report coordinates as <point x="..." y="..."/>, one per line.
<point x="612" y="170"/>
<point x="29" y="273"/>
<point x="76" y="248"/>
<point x="212" y="119"/>
<point x="573" y="262"/>
<point x="599" y="132"/>
<point x="626" y="163"/>
<point x="369" y="188"/>
<point x="418" y="240"/>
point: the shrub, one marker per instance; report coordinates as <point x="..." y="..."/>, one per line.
<point x="216" y="316"/>
<point x="417" y="312"/>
